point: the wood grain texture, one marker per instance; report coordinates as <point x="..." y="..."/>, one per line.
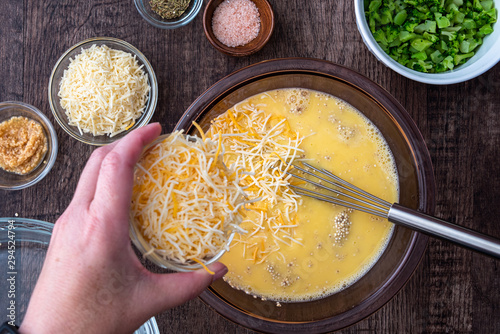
<point x="452" y="290"/>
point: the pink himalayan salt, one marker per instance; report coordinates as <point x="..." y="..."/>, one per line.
<point x="236" y="22"/>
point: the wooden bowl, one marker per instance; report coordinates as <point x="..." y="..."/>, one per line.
<point x="265" y="32"/>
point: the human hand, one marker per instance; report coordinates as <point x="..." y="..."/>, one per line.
<point x="92" y="281"/>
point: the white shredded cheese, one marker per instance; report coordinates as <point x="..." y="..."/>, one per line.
<point x="185" y="200"/>
<point x="103" y="91"/>
<point x="263" y="147"/>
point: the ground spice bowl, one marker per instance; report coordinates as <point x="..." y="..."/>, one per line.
<point x="12" y="181"/>
<point x="266" y="29"/>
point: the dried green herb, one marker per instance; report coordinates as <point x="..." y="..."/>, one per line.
<point x="169" y="9"/>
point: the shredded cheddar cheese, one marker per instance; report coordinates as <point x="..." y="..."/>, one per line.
<point x="263" y="147"/>
<point x="185" y="201"/>
<point x="103" y="91"/>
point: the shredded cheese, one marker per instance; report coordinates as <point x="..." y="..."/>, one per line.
<point x="185" y="201"/>
<point x="263" y="147"/>
<point x="103" y="91"/>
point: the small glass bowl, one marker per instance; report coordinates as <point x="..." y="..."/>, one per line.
<point x="12" y="181"/>
<point x="156" y="20"/>
<point x="147" y="250"/>
<point x="63" y="63"/>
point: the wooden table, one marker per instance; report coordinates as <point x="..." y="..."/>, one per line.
<point x="453" y="290"/>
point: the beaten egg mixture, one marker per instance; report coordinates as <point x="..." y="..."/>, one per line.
<point x="292" y="248"/>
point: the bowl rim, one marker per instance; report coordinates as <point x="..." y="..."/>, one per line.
<point x="449" y="77"/>
<point x="153" y="83"/>
<point x="51" y="141"/>
<point x="424" y="170"/>
<point x="139" y="5"/>
<point x="240" y="51"/>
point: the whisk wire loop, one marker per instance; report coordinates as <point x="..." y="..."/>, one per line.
<point x="357" y="198"/>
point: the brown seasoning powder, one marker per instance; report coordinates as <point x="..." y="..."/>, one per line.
<point x="23" y="145"/>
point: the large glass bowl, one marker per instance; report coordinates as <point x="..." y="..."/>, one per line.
<point x="416" y="182"/>
<point x="23" y="245"/>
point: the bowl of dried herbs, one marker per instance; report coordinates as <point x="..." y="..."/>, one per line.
<point x="168" y="14"/>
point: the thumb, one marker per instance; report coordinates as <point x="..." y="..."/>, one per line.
<point x="164" y="291"/>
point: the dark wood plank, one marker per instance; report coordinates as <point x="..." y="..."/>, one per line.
<point x="484" y="103"/>
<point x="11" y="71"/>
<point x="453" y="290"/>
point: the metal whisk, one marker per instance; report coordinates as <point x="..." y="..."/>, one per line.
<point x="345" y="194"/>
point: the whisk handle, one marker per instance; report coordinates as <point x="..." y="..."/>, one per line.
<point x="439" y="228"/>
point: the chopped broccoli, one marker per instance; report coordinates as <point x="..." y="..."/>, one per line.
<point x="374" y="5"/>
<point x="469" y="45"/>
<point x="460" y="58"/>
<point x="451" y="35"/>
<point x="420" y="44"/>
<point x="441" y="21"/>
<point x="469" y="24"/>
<point x="429" y="26"/>
<point x="379" y="36"/>
<point x="385" y="16"/>
<point x="437" y="57"/>
<point x="459" y="17"/>
<point x="486" y="29"/>
<point x="448" y="63"/>
<point x="400" y="17"/>
<point x="405" y="36"/>
<point x="487" y="5"/>
<point x="430" y="35"/>
<point x="419" y="55"/>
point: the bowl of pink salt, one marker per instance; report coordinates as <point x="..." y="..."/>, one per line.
<point x="238" y="27"/>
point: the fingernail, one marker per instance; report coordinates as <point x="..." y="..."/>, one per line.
<point x="219" y="270"/>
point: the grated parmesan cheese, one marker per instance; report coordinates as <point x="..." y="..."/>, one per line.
<point x="185" y="201"/>
<point x="103" y="91"/>
<point x="263" y="147"/>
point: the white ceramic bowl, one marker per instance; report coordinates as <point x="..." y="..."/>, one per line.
<point x="487" y="56"/>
